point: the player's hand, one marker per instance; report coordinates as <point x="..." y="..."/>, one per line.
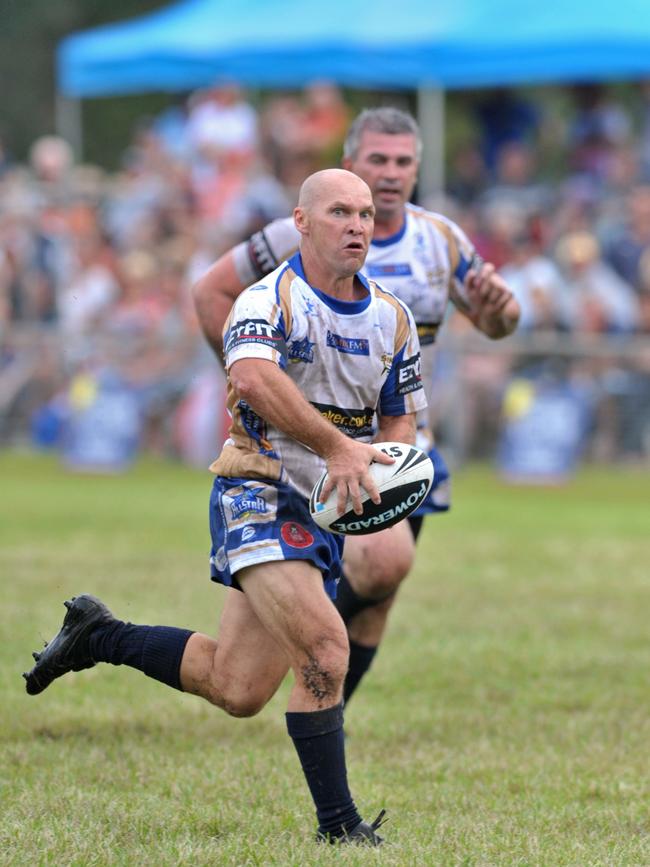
<point x="487" y="291"/>
<point x="347" y="471"/>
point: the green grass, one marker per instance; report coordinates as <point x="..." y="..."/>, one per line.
<point x="506" y="720"/>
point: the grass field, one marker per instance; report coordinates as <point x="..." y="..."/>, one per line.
<point x="506" y="720"/>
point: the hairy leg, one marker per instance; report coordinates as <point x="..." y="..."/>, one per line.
<point x="376" y="564"/>
<point x="241" y="669"/>
<point x="289" y="599"/>
<point x="374" y="567"/>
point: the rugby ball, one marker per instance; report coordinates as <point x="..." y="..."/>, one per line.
<point x="403" y="486"/>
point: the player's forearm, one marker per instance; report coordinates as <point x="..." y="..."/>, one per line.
<point x="499" y="324"/>
<point x="276" y="398"/>
<point x="214" y="295"/>
<point x="396" y="428"/>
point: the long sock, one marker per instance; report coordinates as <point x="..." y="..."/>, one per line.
<point x="155" y="650"/>
<point x="415" y="522"/>
<point x="348" y="602"/>
<point x="361" y="657"/>
<point x="318" y="739"/>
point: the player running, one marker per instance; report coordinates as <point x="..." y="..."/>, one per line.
<point x="313" y="335"/>
<point x="427" y="261"/>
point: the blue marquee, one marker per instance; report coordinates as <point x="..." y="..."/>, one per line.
<point x="359" y="43"/>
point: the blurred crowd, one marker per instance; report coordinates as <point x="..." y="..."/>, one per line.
<point x="96" y="267"/>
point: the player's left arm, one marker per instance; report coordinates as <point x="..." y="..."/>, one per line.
<point x="491" y="307"/>
<point x="476" y="289"/>
<point x="396" y="428"/>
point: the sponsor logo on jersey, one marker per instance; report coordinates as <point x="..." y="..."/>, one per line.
<point x="387" y="361"/>
<point x="358" y="525"/>
<point x="409" y="377"/>
<point x="248" y="502"/>
<point x="390" y="269"/>
<point x="301" y="350"/>
<point x="353" y="422"/>
<point x="295" y="535"/>
<point x="255" y="426"/>
<point x="348" y="345"/>
<point x="258" y="332"/>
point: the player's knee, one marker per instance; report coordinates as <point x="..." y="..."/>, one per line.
<point x="323" y="667"/>
<point x="239" y="703"/>
<point x="388" y="573"/>
<point x="235" y="698"/>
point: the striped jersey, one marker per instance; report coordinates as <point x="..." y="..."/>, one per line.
<point x="352" y="360"/>
<point x="424" y="264"/>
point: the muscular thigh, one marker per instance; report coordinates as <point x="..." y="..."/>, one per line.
<point x="377" y="563"/>
<point x="290" y="601"/>
<point x="247" y="654"/>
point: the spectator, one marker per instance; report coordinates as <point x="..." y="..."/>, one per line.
<point x="597" y="300"/>
<point x="537" y="284"/>
<point x="504" y="118"/>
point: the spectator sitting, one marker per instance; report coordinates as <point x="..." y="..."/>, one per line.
<point x="626" y="243"/>
<point x="537" y="284"/>
<point x="596" y="298"/>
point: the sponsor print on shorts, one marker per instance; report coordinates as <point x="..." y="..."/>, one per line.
<point x="247" y="534"/>
<point x="295" y="535"/>
<point x="248" y="502"/>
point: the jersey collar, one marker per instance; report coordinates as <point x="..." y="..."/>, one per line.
<point x="392" y="239"/>
<point x="346" y="307"/>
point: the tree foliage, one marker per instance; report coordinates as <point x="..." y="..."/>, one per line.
<point x="30" y="31"/>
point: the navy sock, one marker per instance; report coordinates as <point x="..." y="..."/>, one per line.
<point x="348" y="602"/>
<point x="361" y="658"/>
<point x="318" y="739"/>
<point x="155" y="650"/>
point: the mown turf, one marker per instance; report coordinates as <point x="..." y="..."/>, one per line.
<point x="506" y="720"/>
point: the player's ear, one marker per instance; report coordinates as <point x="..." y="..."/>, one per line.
<point x="301" y="219"/>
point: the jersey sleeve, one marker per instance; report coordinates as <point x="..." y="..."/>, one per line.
<point x="265" y="250"/>
<point x="463" y="256"/>
<point x="257" y="327"/>
<point x="402" y="392"/>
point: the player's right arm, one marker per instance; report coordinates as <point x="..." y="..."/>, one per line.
<point x="277" y="399"/>
<point x="217" y="290"/>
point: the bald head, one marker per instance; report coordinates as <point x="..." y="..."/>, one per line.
<point x="329" y="183"/>
<point x="335" y="217"/>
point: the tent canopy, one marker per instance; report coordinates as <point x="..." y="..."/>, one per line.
<point x="359" y="43"/>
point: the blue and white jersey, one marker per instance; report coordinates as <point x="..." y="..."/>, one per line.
<point x="424" y="264"/>
<point x="352" y="360"/>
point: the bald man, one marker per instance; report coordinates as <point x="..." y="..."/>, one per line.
<point x="313" y="354"/>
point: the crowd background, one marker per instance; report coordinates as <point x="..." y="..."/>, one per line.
<point x="98" y="337"/>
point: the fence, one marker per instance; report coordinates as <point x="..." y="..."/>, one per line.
<point x="534" y="400"/>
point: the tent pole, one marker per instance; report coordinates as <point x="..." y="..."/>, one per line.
<point x="431" y="117"/>
<point x="68" y="122"/>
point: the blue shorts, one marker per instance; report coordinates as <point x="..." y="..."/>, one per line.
<point x="438" y="499"/>
<point x="256" y="521"/>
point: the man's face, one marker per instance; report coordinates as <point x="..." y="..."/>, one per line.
<point x="340" y="225"/>
<point x="388" y="164"/>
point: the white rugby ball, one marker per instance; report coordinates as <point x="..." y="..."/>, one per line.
<point x="403" y="486"/>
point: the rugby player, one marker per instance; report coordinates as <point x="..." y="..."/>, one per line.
<point x="427" y="261"/>
<point x="313" y="334"/>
